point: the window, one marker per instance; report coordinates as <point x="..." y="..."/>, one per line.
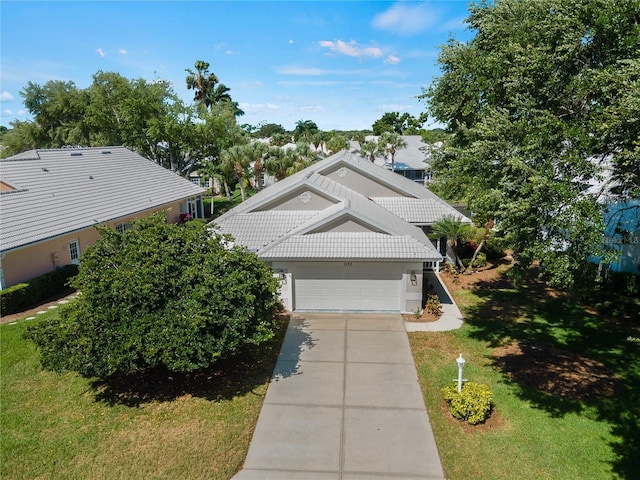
<point x="195" y="180"/>
<point x="74" y="252"/>
<point x="123" y="227"/>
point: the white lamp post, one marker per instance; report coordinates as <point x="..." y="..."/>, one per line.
<point x="460" y="361"/>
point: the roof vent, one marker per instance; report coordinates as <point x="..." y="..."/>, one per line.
<point x="45" y="169"/>
<point x="106" y="152"/>
<point x="90" y="177"/>
<point x="76" y="154"/>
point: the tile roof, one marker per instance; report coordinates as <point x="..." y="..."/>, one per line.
<point x="64" y="190"/>
<point x="257" y="229"/>
<point x="350" y="245"/>
<point x="417" y="210"/>
<point x="305" y="234"/>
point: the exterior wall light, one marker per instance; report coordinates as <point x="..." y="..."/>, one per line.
<point x="414" y="279"/>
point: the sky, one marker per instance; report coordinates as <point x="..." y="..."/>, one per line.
<point x="340" y="64"/>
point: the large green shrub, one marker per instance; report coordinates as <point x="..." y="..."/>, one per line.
<point x="23" y="295"/>
<point x="473" y="404"/>
<point x="159" y="295"/>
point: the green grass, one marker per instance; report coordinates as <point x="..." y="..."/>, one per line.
<point x="159" y="426"/>
<point x="533" y="434"/>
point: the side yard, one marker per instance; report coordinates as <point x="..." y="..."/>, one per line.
<point x="564" y="380"/>
<point x="167" y="426"/>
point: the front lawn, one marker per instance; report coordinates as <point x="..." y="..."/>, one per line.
<point x="159" y="426"/>
<point x="565" y="383"/>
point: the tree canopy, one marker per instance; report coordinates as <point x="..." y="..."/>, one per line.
<point x="159" y="296"/>
<point x="539" y="102"/>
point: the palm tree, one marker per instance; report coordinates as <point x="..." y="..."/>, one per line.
<point x="236" y="160"/>
<point x="208" y="89"/>
<point x="369" y="150"/>
<point x="277" y="162"/>
<point x="452" y="228"/>
<point x="388" y="144"/>
<point x="204" y="84"/>
<point x="257" y="151"/>
<point x="337" y="143"/>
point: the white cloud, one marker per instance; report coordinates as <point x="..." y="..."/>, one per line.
<point x="390" y="107"/>
<point x="311" y="108"/>
<point x="7" y="111"/>
<point x="308" y="83"/>
<point x="100" y="52"/>
<point x="293" y="70"/>
<point x="252" y="108"/>
<point x="407" y="19"/>
<point x="6" y="96"/>
<point x="122" y="51"/>
<point x="290" y="42"/>
<point x="392" y="59"/>
<point x="351" y="49"/>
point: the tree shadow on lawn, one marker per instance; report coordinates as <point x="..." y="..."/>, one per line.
<point x="563" y="358"/>
<point x="230" y="376"/>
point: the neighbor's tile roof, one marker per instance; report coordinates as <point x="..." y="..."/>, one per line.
<point x="65" y="190"/>
<point x="417" y="210"/>
<point x="355" y="245"/>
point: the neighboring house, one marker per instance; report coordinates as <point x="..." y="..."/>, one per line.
<point x="622" y="220"/>
<point x="50" y="200"/>
<point x="622" y="235"/>
<point x="343" y="234"/>
<point x="411" y="161"/>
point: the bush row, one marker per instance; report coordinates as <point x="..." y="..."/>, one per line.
<point x="23" y="295"/>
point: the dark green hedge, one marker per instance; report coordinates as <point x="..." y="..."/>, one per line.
<point x="20" y="297"/>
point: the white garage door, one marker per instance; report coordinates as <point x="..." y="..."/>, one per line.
<point x="347" y="294"/>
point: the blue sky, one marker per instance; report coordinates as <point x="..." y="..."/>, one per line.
<point x="341" y="64"/>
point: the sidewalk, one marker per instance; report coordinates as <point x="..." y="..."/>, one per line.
<point x="344" y="403"/>
<point x="451" y="318"/>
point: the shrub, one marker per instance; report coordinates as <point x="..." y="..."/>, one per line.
<point x="159" y="295"/>
<point x="433" y="306"/>
<point x="473" y="404"/>
<point x="479" y="262"/>
<point x="23" y="295"/>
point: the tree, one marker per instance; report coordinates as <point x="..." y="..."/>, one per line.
<point x="159" y="296"/>
<point x="305" y="129"/>
<point x="369" y="149"/>
<point x="535" y="103"/>
<point x="394" y="122"/>
<point x="207" y="88"/>
<point x="453" y="229"/>
<point x="236" y="160"/>
<point x="336" y="143"/>
<point x="257" y="151"/>
<point x="388" y="144"/>
<point x="58" y="108"/>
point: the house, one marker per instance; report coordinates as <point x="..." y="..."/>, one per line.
<point x="51" y="199"/>
<point x="343" y="234"/>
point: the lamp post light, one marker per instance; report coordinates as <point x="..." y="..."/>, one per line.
<point x="460" y="361"/>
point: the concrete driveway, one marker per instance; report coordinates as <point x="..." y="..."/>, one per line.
<point x="343" y="404"/>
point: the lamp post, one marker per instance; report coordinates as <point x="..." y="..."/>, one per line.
<point x="460" y="361"/>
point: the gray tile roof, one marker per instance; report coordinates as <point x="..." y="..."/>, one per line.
<point x="350" y="245"/>
<point x="305" y="234"/>
<point x="257" y="229"/>
<point x="65" y="190"/>
<point x="421" y="211"/>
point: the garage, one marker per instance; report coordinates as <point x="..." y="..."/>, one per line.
<point x="348" y="286"/>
